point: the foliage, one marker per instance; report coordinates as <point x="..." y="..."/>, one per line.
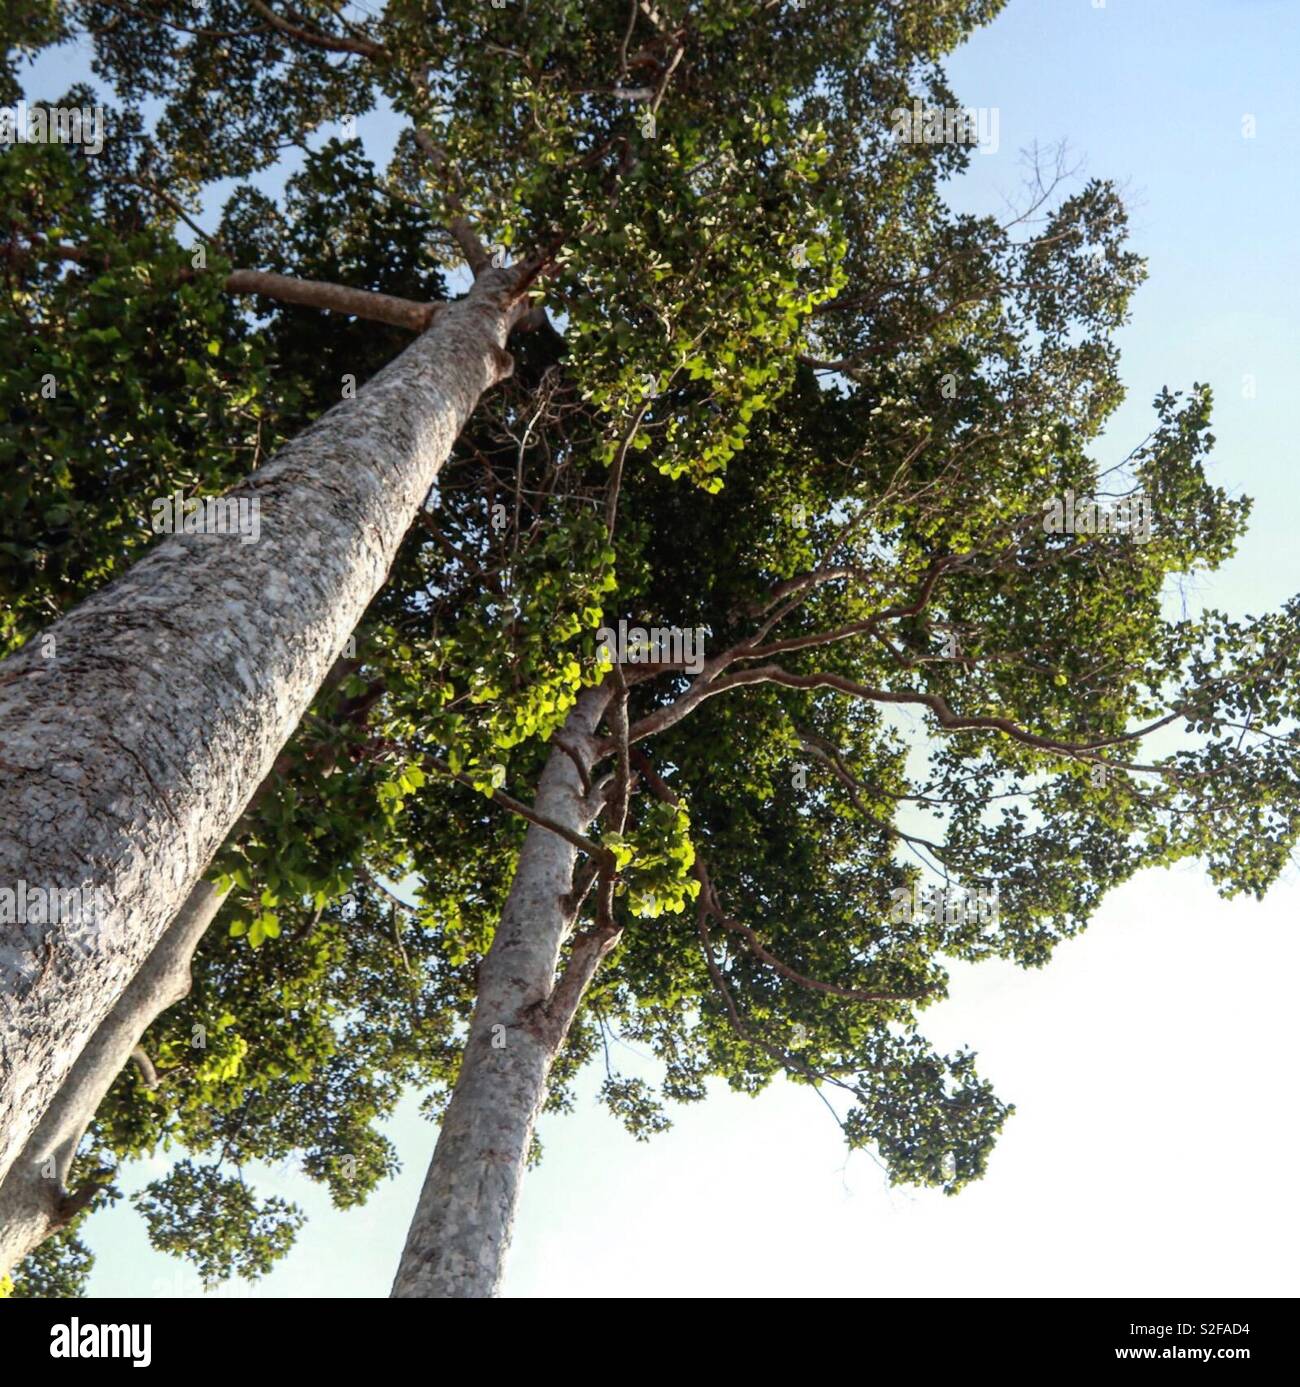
<point x="57" y="1270"/>
<point x="785" y="396"/>
<point x="217" y="1222"/>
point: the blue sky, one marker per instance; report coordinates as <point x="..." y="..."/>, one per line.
<point x="1151" y="1063"/>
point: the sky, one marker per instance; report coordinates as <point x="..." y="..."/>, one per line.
<point x="1151" y="1063"/>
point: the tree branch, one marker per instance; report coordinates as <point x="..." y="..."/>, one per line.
<point x="713" y="907"/>
<point x="710" y="906"/>
<point x="460" y="226"/>
<point x="364" y="47"/>
<point x="936" y="703"/>
<point x="308" y="293"/>
<point x="145" y="1065"/>
<point x="334" y="298"/>
<point x="526" y="812"/>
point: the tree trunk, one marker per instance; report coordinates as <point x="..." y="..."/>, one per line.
<point x="35" y="1201"/>
<point x="134" y="731"/>
<point x="458" y="1239"/>
<point x="33" y="1209"/>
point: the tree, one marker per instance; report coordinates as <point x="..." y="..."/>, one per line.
<point x="78" y="513"/>
<point x="122" y="817"/>
<point x="791" y="402"/>
<point x="713" y="864"/>
<point x="290" y="75"/>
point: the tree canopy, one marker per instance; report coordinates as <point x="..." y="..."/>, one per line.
<point x="782" y="395"/>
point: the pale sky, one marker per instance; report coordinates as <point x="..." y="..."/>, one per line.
<point x="1151" y="1062"/>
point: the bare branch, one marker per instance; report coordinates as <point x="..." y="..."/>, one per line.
<point x="331" y="43"/>
<point x="579" y="841"/>
<point x="334" y="298"/>
<point x="713" y="907"/>
<point x="461" y="228"/>
<point x="951" y="722"/>
<point x="145" y="1065"/>
<point x="309" y="293"/>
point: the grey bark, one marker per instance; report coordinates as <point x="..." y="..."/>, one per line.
<point x="459" y="1236"/>
<point x="336" y="298"/>
<point x="35" y="1206"/>
<point x="133" y="733"/>
<point x="35" y="1201"/>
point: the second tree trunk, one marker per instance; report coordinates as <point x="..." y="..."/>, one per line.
<point x="463" y="1222"/>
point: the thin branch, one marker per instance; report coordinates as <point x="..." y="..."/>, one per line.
<point x="330" y="43"/>
<point x="524" y="811"/>
<point x="373" y="881"/>
<point x="712" y="907"/>
<point x="711" y="904"/>
<point x="627" y="38"/>
<point x="145" y="1065"/>
<point x="145" y="186"/>
<point x="460" y="226"/>
<point x="936" y="703"/>
<point x="616" y="477"/>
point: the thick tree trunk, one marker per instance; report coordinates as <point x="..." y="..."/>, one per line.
<point x="133" y="733"/>
<point x="33" y="1208"/>
<point x="461" y="1231"/>
<point x="35" y="1201"/>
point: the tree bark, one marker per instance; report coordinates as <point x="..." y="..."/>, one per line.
<point x="458" y="1239"/>
<point x="35" y="1201"/>
<point x="134" y="731"/>
<point x="32" y="1209"/>
<point x="334" y="298"/>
